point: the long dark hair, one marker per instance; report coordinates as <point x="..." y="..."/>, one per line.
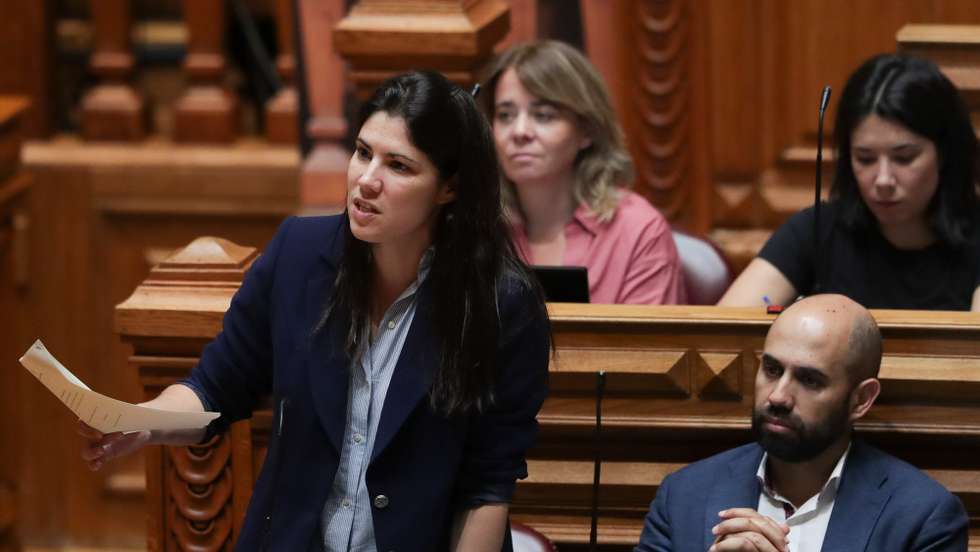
<point x="914" y="93"/>
<point x="473" y="254"/>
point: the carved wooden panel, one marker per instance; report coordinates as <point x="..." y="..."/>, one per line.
<point x="650" y="429"/>
<point x="199" y="487"/>
<point x="679" y="388"/>
<point x="663" y="43"/>
<point x="380" y="39"/>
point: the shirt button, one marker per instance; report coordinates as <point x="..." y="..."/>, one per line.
<point x="381" y="502"/>
<point x="358" y="438"/>
<point x="345" y="503"/>
<point x="391" y="324"/>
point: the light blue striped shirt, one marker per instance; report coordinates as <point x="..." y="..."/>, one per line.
<point x="346" y="518"/>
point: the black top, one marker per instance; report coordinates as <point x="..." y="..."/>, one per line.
<point x="869" y="269"/>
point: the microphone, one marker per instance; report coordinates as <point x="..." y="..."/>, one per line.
<point x="817" y="265"/>
<point x="600" y="388"/>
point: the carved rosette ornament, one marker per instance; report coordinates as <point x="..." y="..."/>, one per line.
<point x="195" y="503"/>
<point x="199" y="485"/>
<point x="664" y="158"/>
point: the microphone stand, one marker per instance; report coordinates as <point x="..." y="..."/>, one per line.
<point x="600" y="388"/>
<point x="817" y="264"/>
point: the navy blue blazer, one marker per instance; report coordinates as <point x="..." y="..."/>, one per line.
<point x="882" y="504"/>
<point x="422" y="461"/>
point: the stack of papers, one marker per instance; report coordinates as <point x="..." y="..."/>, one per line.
<point x="103" y="413"/>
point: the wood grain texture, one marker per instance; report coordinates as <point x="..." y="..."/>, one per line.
<point x="114" y="109"/>
<point x="27" y="45"/>
<point x="15" y="187"/>
<point x="99" y="213"/>
<point x="208" y="110"/>
<point x="323" y="179"/>
<point x="452" y="36"/>
<point x="679" y="388"/>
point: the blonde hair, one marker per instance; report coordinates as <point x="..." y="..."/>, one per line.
<point x="560" y="74"/>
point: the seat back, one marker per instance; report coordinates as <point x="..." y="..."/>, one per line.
<point x="707" y="274"/>
<point x="526" y="539"/>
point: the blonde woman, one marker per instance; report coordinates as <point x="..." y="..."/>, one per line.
<point x="567" y="176"/>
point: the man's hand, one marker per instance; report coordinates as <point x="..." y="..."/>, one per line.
<point x="745" y="530"/>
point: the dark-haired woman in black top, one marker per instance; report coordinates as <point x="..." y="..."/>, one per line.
<point x="901" y="228"/>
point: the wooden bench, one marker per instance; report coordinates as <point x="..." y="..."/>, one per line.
<point x="679" y="388"/>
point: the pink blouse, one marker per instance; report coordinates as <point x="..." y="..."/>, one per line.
<point x="630" y="259"/>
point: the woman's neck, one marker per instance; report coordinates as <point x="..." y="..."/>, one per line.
<point x="546" y="208"/>
<point x="908" y="235"/>
<point x="395" y="268"/>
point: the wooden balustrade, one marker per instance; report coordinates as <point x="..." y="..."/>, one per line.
<point x="112" y="110"/>
<point x="281" y="110"/>
<point x="679" y="388"/>
<point x="323" y="181"/>
<point x="208" y="110"/>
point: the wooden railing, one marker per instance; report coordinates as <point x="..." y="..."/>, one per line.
<point x="208" y="110"/>
<point x="679" y="388"/>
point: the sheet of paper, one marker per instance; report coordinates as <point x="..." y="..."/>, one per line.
<point x="103" y="413"/>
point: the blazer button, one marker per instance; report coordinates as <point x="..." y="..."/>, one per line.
<point x="381" y="502"/>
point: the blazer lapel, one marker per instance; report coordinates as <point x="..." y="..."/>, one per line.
<point x="328" y="363"/>
<point x="413" y="373"/>
<point x="738" y="489"/>
<point x="861" y="497"/>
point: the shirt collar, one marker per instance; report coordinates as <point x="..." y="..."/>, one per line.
<point x="587" y="219"/>
<point x="829" y="487"/>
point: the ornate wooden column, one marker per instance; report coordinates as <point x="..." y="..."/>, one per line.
<point x="379" y="39"/>
<point x="208" y="111"/>
<point x="280" y="110"/>
<point x="651" y="55"/>
<point x="113" y="110"/>
<point x="323" y="179"/>
<point x="196" y="496"/>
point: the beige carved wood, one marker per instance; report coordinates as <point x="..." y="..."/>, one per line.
<point x="208" y="110"/>
<point x="113" y="110"/>
<point x="381" y="38"/>
<point x="956" y="49"/>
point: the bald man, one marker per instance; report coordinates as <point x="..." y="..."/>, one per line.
<point x="806" y="485"/>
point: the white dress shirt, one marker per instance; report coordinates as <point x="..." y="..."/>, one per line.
<point x="807" y="523"/>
